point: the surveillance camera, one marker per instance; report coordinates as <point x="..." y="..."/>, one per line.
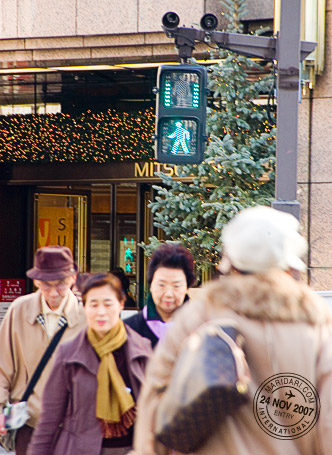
<point x="170" y="20"/>
<point x="209" y="22"/>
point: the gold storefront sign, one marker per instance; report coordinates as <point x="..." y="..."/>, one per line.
<point x="148" y="169"/>
<point x="56" y="226"/>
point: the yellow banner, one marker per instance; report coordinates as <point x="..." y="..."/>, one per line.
<point x="56" y="226"/>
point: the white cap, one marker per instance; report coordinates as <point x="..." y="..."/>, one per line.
<point x="261" y="238"/>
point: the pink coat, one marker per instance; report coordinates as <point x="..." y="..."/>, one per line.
<point x="286" y="328"/>
<point x="68" y="423"/>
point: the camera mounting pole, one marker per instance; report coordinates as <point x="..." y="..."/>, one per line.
<point x="287" y="49"/>
<point x="249" y="45"/>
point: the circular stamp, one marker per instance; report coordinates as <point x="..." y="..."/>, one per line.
<point x="286" y="406"/>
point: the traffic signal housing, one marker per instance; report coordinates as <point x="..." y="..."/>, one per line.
<point x="181" y="114"/>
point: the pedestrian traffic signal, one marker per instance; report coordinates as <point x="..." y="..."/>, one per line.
<point x="181" y="114"/>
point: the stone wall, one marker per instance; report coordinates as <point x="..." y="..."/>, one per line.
<point x="49" y="18"/>
<point x="315" y="170"/>
<point x="81" y="32"/>
<point x="67" y="32"/>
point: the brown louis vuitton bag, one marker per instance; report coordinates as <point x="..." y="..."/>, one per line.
<point x="209" y="382"/>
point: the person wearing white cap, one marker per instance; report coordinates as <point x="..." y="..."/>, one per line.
<point x="287" y="329"/>
<point x="261" y="238"/>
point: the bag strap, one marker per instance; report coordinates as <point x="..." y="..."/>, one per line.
<point x="42" y="364"/>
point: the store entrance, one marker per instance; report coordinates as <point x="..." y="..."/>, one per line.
<point x="61" y="218"/>
<point x="119" y="221"/>
<point x="102" y="224"/>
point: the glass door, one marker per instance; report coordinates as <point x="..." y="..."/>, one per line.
<point x="100" y="243"/>
<point x="61" y="219"/>
<point x="125" y="234"/>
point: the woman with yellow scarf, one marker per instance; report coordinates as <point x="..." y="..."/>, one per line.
<point x="89" y="403"/>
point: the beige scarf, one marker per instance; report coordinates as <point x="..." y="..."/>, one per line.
<point x="115" y="405"/>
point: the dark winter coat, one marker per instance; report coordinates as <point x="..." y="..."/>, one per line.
<point x="138" y="323"/>
<point x="68" y="423"/>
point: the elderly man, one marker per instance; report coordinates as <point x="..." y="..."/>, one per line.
<point x="29" y="326"/>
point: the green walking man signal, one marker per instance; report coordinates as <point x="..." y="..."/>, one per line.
<point x="181" y="114"/>
<point x="180" y="136"/>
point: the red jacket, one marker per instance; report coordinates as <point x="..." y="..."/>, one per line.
<point x="68" y="423"/>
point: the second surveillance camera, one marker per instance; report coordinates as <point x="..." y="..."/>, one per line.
<point x="209" y="22"/>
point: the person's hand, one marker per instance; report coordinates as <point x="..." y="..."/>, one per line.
<point x="2" y="424"/>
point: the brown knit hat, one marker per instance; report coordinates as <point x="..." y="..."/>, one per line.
<point x="52" y="263"/>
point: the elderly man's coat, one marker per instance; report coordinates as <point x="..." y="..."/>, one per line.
<point x="23" y="341"/>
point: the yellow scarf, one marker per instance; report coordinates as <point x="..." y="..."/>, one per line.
<point x="115" y="405"/>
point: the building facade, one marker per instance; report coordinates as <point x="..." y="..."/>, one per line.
<point x="69" y="58"/>
<point x="314" y="159"/>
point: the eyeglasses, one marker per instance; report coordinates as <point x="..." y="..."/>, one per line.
<point x="60" y="287"/>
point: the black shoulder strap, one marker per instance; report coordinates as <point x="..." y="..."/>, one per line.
<point x="47" y="354"/>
